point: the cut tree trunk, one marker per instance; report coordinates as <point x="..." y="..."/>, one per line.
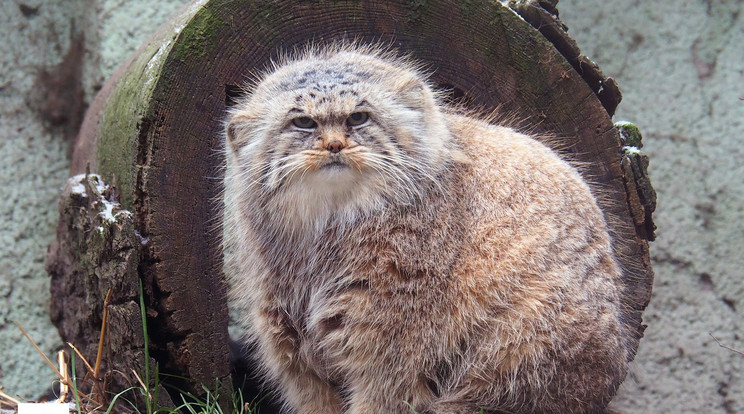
<point x="154" y="131"/>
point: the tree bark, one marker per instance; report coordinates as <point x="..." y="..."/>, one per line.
<point x="155" y="131"/>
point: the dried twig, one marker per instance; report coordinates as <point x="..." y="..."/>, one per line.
<point x="62" y="372"/>
<point x="88" y="397"/>
<point x="80" y="355"/>
<point x="725" y="346"/>
<point x="5" y="396"/>
<point x="106" y="303"/>
<point x="144" y="387"/>
<point x="63" y="387"/>
<point x="61" y="377"/>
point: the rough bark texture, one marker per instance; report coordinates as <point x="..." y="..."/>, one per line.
<point x="97" y="251"/>
<point x="543" y="16"/>
<point x="155" y="130"/>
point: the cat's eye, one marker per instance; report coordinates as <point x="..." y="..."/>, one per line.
<point x="304" y="122"/>
<point x="357" y="118"/>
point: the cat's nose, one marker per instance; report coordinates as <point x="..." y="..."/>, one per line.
<point x="335" y="146"/>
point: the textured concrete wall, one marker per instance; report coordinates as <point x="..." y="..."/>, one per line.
<point x="39" y="46"/>
<point x="679" y="64"/>
<point x="35" y="36"/>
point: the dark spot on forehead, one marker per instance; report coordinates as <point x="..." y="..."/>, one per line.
<point x="338" y="74"/>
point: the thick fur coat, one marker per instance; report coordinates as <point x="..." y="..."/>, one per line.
<point x="384" y="251"/>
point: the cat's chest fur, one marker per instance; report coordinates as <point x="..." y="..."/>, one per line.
<point x="396" y="257"/>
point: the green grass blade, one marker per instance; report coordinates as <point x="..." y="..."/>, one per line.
<point x="74" y="383"/>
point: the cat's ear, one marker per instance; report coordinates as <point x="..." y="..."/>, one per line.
<point x="238" y="130"/>
<point x="414" y="93"/>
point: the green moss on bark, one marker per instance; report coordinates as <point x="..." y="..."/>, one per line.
<point x="630" y="134"/>
<point x="199" y="35"/>
<point x="128" y="113"/>
<point x="122" y="121"/>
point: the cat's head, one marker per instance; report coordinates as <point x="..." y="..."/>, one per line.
<point x="340" y="127"/>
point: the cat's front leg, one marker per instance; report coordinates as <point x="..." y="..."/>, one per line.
<point x="279" y="345"/>
<point x="391" y="396"/>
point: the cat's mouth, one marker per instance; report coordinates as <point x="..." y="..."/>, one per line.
<point x="334" y="165"/>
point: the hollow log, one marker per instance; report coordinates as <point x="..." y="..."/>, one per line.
<point x="154" y="132"/>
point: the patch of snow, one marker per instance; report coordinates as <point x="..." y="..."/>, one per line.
<point x="77" y="186"/>
<point x="108" y="210"/>
<point x="631" y="150"/>
<point x="45" y="408"/>
<point x="143" y="240"/>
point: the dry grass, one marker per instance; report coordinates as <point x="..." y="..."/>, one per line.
<point x="100" y="400"/>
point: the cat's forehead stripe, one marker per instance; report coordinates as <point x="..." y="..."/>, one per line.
<point x="329" y="71"/>
<point x="348" y="98"/>
<point x="320" y="81"/>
